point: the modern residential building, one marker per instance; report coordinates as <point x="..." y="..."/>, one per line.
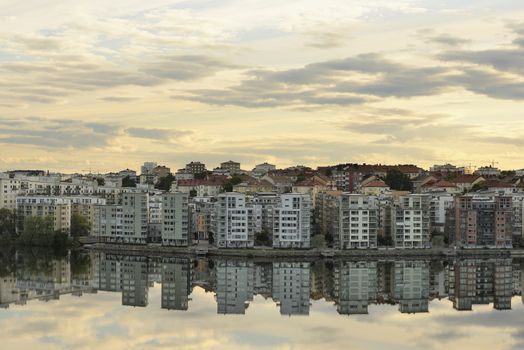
<point x="439" y="205"/>
<point x="231" y="167"/>
<point x="175" y="220"/>
<point x="476" y="221"/>
<point x="233" y="221"/>
<point x="195" y="168"/>
<point x="10" y="188"/>
<point x="292" y="221"/>
<point x="354" y="221"/>
<point x="410" y="217"/>
<point x="147" y="168"/>
<point x="487" y="171"/>
<point x="262" y="169"/>
<point x="58" y="208"/>
<point x="126" y="222"/>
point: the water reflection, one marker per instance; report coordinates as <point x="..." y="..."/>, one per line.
<point x="352" y="286"/>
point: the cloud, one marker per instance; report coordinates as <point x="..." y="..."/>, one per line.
<point x="184" y="67"/>
<point x="170" y="135"/>
<point x="448" y="40"/>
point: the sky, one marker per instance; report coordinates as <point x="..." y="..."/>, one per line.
<point x="106" y="85"/>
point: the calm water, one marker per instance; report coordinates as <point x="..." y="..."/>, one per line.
<point x="101" y="301"/>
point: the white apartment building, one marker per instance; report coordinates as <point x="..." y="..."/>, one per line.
<point x="233" y="219"/>
<point x="125" y="222"/>
<point x="38" y="206"/>
<point x="411" y="221"/>
<point x="9" y="190"/>
<point x="440" y="203"/>
<point x="147" y="167"/>
<point x="262" y="169"/>
<point x="292" y="221"/>
<point x="355" y="221"/>
<point x="175" y="220"/>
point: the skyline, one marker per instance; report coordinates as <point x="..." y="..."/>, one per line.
<point x="103" y="87"/>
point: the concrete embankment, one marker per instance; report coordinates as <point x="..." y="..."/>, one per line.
<point x="268" y="253"/>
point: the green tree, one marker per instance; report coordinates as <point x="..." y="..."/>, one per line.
<point x="164" y="183"/>
<point x="7" y="224"/>
<point x="101" y="181"/>
<point x="193" y="193"/>
<point x="38" y="231"/>
<point x="128" y="182"/>
<point x="228" y="185"/>
<point x="398" y="181"/>
<point x="263" y="238"/>
<point x="80" y="226"/>
<point x="318" y="241"/>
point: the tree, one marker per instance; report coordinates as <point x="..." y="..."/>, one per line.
<point x="101" y="181"/>
<point x="384" y="241"/>
<point x="193" y="193"/>
<point x="38" y="230"/>
<point x="318" y="241"/>
<point x="79" y="226"/>
<point x="164" y="183"/>
<point x="200" y="176"/>
<point x="7" y="224"/>
<point x="228" y="185"/>
<point x="398" y="181"/>
<point x="210" y="238"/>
<point x="263" y="238"/>
<point x="128" y="182"/>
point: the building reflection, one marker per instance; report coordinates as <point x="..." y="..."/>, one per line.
<point x="476" y="281"/>
<point x="291" y="287"/>
<point x="294" y="287"/>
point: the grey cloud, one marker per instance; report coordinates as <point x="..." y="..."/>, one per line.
<point x="119" y="99"/>
<point x="489" y="84"/>
<point x="184" y="67"/>
<point x="506" y="60"/>
<point x="448" y="40"/>
<point x="158" y="134"/>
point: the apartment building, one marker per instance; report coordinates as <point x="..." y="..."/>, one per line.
<point x="234" y="222"/>
<point x="176" y="283"/>
<point x="9" y="190"/>
<point x="43" y="206"/>
<point x="410" y="217"/>
<point x="231" y="167"/>
<point x="292" y="221"/>
<point x="439" y="205"/>
<point x="476" y="221"/>
<point x="175" y="220"/>
<point x="125" y="222"/>
<point x="195" y="168"/>
<point x="355" y="221"/>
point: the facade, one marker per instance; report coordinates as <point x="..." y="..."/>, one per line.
<point x="355" y="221"/>
<point x="40" y="206"/>
<point x="147" y="168"/>
<point x="9" y="190"/>
<point x="263" y="169"/>
<point x="126" y="222"/>
<point x="195" y="168"/>
<point x="231" y="167"/>
<point x="410" y="217"/>
<point x="439" y="205"/>
<point x="175" y="220"/>
<point x="292" y="221"/>
<point x="481" y="222"/>
<point x="487" y="171"/>
<point x="234" y="221"/>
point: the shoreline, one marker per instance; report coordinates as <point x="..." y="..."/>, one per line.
<point x="433" y="253"/>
